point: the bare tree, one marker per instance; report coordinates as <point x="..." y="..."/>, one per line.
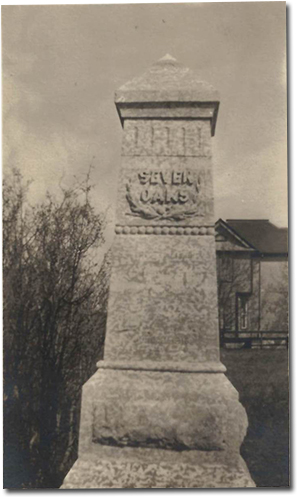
<point x="55" y="294"/>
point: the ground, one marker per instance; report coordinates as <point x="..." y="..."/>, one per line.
<point x="261" y="378"/>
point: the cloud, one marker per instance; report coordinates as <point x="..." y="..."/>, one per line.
<point x="61" y="65"/>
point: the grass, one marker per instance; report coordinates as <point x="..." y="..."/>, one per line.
<point x="261" y="378"/>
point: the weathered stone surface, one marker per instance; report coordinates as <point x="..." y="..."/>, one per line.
<point x="159" y="400"/>
<point x="164" y="410"/>
<point x="129" y="468"/>
<point x="167" y="75"/>
<point x="166" y="230"/>
<point x="153" y="365"/>
<point x="163" y="299"/>
<point x="165" y="174"/>
<point x="166" y="138"/>
<point x="168" y="82"/>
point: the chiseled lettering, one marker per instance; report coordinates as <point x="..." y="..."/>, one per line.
<point x="144" y="177"/>
<point x="182" y="197"/>
<point x="145" y="196"/>
<point x="157" y="197"/>
<point x="165" y="197"/>
<point x="187" y="178"/>
<point x="176" y="178"/>
<point x="174" y="197"/>
<point x="164" y="178"/>
<point x="155" y="178"/>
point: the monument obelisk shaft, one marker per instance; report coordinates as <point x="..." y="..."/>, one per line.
<point x="160" y="400"/>
<point x="163" y="301"/>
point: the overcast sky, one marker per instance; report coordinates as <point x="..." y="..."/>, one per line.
<point x="62" y="64"/>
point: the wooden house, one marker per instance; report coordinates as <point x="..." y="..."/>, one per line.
<point x="252" y="269"/>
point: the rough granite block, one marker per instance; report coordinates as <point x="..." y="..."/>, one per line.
<point x="162" y="409"/>
<point x="128" y="468"/>
<point x="163" y="299"/>
<point x="159" y="412"/>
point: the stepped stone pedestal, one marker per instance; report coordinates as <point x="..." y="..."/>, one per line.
<point x="160" y="412"/>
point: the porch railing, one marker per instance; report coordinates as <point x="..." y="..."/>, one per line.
<point x="258" y="339"/>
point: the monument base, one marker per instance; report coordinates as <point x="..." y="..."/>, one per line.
<point x="160" y="429"/>
<point x="170" y="410"/>
<point x="106" y="467"/>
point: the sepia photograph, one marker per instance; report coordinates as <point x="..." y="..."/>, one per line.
<point x="145" y="246"/>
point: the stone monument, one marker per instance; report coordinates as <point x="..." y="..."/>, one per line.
<point x="160" y="412"/>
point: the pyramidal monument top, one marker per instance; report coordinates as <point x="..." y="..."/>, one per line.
<point x="167" y="80"/>
<point x="168" y="57"/>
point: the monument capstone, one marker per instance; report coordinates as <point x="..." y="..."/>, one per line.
<point x="160" y="412"/>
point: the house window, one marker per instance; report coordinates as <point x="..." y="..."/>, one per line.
<point x="243" y="312"/>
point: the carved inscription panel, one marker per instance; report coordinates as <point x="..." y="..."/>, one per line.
<point x="166" y="138"/>
<point x="165" y="176"/>
<point x="165" y="191"/>
<point x="164" y="195"/>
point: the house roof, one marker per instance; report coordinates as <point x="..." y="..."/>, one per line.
<point x="262" y="235"/>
